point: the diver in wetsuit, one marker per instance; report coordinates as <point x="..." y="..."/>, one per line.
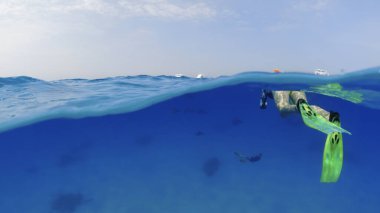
<point x="290" y="101"/>
<point x="295" y="101"/>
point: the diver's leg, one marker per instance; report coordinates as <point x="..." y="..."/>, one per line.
<point x="321" y="111"/>
<point x="297" y="95"/>
<point x="281" y="99"/>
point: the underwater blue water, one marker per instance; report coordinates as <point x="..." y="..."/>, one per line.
<point x="166" y="144"/>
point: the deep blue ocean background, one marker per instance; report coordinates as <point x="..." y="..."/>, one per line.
<point x="176" y="152"/>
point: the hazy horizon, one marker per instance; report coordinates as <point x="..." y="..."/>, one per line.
<point x="98" y="38"/>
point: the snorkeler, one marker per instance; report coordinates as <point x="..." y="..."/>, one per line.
<point x="317" y="118"/>
<point x="289" y="101"/>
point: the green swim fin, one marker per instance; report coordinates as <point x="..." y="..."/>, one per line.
<point x="316" y="121"/>
<point x="332" y="157"/>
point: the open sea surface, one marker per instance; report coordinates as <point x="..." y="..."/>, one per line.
<point x="152" y="144"/>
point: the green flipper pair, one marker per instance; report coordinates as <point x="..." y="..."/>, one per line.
<point x="316" y="121"/>
<point x="333" y="151"/>
<point x="332" y="157"/>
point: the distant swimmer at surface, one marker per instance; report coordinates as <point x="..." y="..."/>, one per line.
<point x="244" y="159"/>
<point x="317" y="118"/>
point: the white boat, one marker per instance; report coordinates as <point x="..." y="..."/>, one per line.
<point x="178" y="75"/>
<point x="321" y="72"/>
<point x="200" y="76"/>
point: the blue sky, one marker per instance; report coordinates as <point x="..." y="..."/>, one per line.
<point x="54" y="39"/>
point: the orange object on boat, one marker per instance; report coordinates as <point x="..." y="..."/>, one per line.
<point x="276" y="70"/>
